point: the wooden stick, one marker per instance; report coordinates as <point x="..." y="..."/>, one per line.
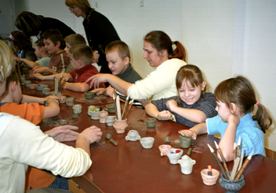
<point x="118" y="108"/>
<point x="223" y="159"/>
<point x="129" y="107"/>
<point x="217" y="160"/>
<point x="235" y="168"/>
<point x="244" y="165"/>
<point x="125" y="106"/>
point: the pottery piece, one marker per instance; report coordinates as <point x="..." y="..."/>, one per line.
<point x="150" y="122"/>
<point x="164" y="149"/>
<point x="102" y="116"/>
<point x="208" y="179"/>
<point x="132" y="135"/>
<point x="185" y="141"/>
<point x="110" y="120"/>
<point x="186" y="164"/>
<point x="77" y="108"/>
<point x="89" y="95"/>
<point x="174" y="155"/>
<point x="120" y="126"/>
<point x="69" y="101"/>
<point x="147" y="142"/>
<point x="232" y="186"/>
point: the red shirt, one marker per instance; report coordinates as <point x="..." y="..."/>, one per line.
<point x="82" y="74"/>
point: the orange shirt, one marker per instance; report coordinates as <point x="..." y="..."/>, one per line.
<point x="32" y="112"/>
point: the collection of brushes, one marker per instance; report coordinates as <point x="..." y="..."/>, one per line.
<point x="238" y="166"/>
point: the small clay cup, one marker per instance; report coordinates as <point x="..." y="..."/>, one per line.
<point x="69" y="101"/>
<point x="151" y="122"/>
<point x="77" y="108"/>
<point x="109" y="120"/>
<point x="120" y="126"/>
<point x="185" y="141"/>
<point x="89" y="95"/>
<point x="111" y="108"/>
<point x="209" y="180"/>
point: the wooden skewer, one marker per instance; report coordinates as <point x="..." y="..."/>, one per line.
<point x="125" y="106"/>
<point x="129" y="107"/>
<point x="218" y="162"/>
<point x="223" y="159"/>
<point x="244" y="165"/>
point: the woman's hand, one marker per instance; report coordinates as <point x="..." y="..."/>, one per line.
<point x="96" y="80"/>
<point x="92" y="134"/>
<point x="64" y="133"/>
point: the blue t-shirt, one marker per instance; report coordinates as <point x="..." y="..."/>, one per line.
<point x="252" y="137"/>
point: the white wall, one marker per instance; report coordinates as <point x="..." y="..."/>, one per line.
<point x="223" y="37"/>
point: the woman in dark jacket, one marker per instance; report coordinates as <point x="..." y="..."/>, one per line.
<point x="34" y="25"/>
<point x="99" y="30"/>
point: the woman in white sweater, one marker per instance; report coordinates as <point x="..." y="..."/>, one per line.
<point x="162" y="54"/>
<point x="23" y="143"/>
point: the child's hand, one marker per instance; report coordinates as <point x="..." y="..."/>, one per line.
<point x="188" y="133"/>
<point x="164" y="115"/>
<point x="171" y="104"/>
<point x="110" y="91"/>
<point x="92" y="134"/>
<point x="234" y="119"/>
<point x="99" y="91"/>
<point x="39" y="69"/>
<point x="38" y="76"/>
<point x="65" y="77"/>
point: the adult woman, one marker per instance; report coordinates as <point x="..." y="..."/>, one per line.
<point x="98" y="29"/>
<point x="34" y="25"/>
<point x="163" y="54"/>
<point x="25" y="144"/>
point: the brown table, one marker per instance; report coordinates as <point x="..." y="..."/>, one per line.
<point x="128" y="168"/>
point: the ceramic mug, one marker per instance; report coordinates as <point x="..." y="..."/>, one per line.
<point x="174" y="155"/>
<point x="185" y="141"/>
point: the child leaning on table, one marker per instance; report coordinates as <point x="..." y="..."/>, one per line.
<point x="240" y="115"/>
<point x="27" y="107"/>
<point x="54" y="44"/>
<point x="118" y="58"/>
<point x="192" y="105"/>
<point x="81" y="57"/>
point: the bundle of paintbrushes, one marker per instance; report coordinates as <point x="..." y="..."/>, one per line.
<point x="238" y="166"/>
<point x="127" y="107"/>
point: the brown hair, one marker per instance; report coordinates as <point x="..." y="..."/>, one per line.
<point x="74" y="39"/>
<point x="161" y="41"/>
<point x="120" y="46"/>
<point x="189" y="73"/>
<point x="82" y="4"/>
<point x="239" y="91"/>
<point x="55" y="36"/>
<point x="82" y="52"/>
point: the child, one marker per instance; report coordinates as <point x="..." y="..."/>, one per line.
<point x="118" y="58"/>
<point x="27" y="107"/>
<point x="41" y="53"/>
<point x="81" y="57"/>
<point x="54" y="44"/>
<point x="239" y="116"/>
<point x="192" y="105"/>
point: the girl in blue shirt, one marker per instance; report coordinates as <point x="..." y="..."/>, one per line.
<point x="239" y="116"/>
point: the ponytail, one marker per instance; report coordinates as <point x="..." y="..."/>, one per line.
<point x="263" y="117"/>
<point x="179" y="51"/>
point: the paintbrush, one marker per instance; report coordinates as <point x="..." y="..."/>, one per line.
<point x="222" y="159"/>
<point x="244" y="165"/>
<point x="129" y="107"/>
<point x="218" y="162"/>
<point x="125" y="106"/>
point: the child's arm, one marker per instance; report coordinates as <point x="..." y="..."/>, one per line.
<point x="29" y="63"/>
<point x="198" y="129"/>
<point x="193" y="115"/>
<point x="32" y="99"/>
<point x="52" y="109"/>
<point x="152" y="111"/>
<point x="76" y="86"/>
<point x="227" y="141"/>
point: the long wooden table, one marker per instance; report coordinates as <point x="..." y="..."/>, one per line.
<point x="128" y="168"/>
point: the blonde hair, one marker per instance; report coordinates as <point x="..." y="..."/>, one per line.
<point x="82" y="52"/>
<point x="82" y="4"/>
<point x="74" y="39"/>
<point x="6" y="61"/>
